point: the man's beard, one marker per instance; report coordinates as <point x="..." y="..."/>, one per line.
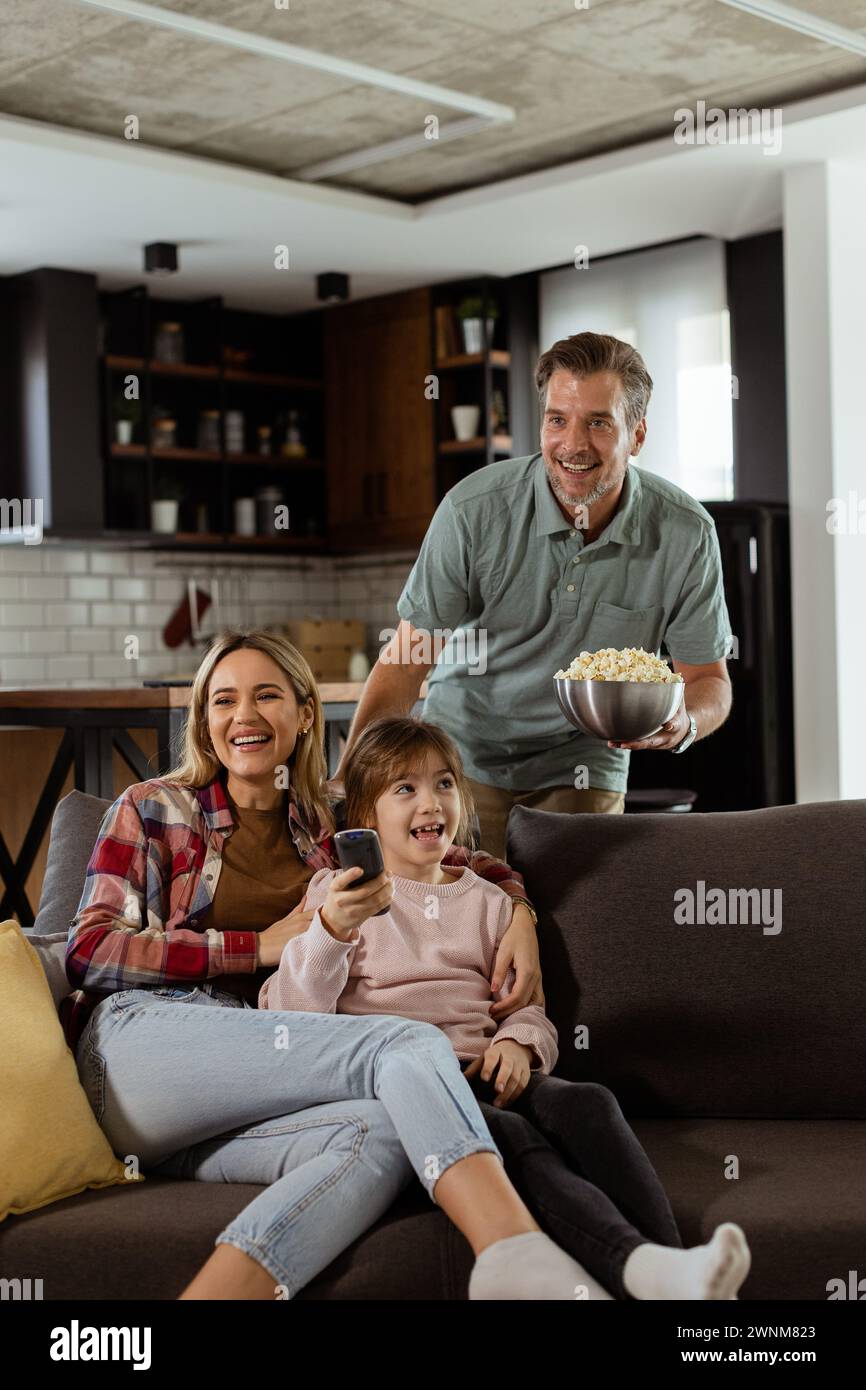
<point x="601" y="489"/>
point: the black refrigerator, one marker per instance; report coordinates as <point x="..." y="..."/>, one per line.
<point x="749" y="762"/>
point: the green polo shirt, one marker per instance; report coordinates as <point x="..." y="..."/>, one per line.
<point x="503" y="570"/>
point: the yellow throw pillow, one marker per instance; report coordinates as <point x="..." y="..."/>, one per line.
<point x="50" y="1143"/>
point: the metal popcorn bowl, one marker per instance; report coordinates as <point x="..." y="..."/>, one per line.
<point x="624" y="711"/>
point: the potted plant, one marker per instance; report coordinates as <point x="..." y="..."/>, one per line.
<point x="165" y="507"/>
<point x="127" y="414"/>
<point x="469" y="312"/>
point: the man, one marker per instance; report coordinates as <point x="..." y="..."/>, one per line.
<point x="539" y="558"/>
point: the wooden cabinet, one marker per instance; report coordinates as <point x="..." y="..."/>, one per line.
<point x="380" y="449"/>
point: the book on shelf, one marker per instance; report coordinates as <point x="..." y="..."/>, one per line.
<point x="448" y="341"/>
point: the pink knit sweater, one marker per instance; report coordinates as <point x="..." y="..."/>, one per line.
<point x="430" y="958"/>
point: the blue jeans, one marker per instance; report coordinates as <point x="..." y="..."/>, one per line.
<point x="333" y="1111"/>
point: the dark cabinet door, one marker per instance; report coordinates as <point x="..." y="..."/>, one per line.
<point x="380" y="454"/>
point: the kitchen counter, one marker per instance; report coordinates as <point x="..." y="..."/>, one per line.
<point x="138" y="697"/>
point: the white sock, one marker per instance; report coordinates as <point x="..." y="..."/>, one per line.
<point x="712" y="1271"/>
<point x="531" y="1266"/>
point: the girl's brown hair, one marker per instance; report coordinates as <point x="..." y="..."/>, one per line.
<point x="391" y="748"/>
<point x="199" y="764"/>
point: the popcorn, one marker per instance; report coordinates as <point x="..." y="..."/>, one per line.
<point x="608" y="664"/>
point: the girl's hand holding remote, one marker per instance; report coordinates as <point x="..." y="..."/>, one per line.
<point x="345" y="908"/>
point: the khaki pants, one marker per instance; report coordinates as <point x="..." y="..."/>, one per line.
<point x="493" y="805"/>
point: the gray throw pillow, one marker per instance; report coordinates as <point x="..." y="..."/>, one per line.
<point x="50" y="947"/>
<point x="74" y="828"/>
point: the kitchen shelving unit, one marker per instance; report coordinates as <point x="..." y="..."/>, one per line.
<point x="281" y="371"/>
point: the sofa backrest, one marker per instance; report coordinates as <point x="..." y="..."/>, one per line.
<point x="74" y="828"/>
<point x="690" y="1016"/>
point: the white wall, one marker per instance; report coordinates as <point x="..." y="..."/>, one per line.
<point x="825" y="310"/>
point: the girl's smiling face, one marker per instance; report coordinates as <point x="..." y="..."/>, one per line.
<point x="428" y="796"/>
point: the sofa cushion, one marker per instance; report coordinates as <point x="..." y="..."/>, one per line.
<point x="797" y="1192"/>
<point x="148" y="1242"/>
<point x="74" y="828"/>
<point x="50" y="1143"/>
<point x="797" y="1195"/>
<point x="704" y="1019"/>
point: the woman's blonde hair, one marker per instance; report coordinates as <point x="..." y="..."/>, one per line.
<point x="390" y="748"/>
<point x="308" y="771"/>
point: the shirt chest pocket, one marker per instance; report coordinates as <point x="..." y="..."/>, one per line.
<point x="612" y="626"/>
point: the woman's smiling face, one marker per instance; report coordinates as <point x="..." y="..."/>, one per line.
<point x="253" y="717"/>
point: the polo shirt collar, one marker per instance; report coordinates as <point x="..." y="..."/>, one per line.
<point x="623" y="527"/>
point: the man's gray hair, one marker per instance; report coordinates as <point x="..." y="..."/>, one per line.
<point x="584" y="354"/>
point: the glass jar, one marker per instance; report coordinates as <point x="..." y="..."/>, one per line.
<point x="294" y="446"/>
<point x="168" y="343"/>
<point x="234" y="432"/>
<point x="208" y="433"/>
<point x="263" y="434"/>
<point x="164" y="433"/>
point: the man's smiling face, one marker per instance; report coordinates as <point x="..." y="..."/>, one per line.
<point x="585" y="439"/>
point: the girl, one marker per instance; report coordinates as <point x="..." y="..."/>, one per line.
<point x="429" y="960"/>
<point x="194" y="887"/>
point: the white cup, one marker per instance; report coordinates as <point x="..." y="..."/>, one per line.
<point x="163" y="515"/>
<point x="465" y="419"/>
<point x="245" y="516"/>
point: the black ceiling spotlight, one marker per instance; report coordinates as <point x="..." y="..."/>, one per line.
<point x="332" y="287"/>
<point x="160" y="258"/>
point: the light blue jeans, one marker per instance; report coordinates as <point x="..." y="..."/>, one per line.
<point x="333" y="1111"/>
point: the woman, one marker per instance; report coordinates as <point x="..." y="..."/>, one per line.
<point x="193" y="889"/>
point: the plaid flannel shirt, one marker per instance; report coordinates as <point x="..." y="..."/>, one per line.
<point x="153" y="875"/>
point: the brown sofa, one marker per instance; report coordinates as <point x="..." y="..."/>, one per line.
<point x="737" y="1051"/>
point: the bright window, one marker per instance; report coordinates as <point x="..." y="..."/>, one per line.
<point x="669" y="303"/>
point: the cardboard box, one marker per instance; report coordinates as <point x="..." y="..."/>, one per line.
<point x="319" y="633"/>
<point x="329" y="663"/>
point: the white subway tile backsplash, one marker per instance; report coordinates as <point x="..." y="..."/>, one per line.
<point x="110" y="561"/>
<point x="68" y="667"/>
<point x="22" y="559"/>
<point x="148" y="638"/>
<point x="116" y="666"/>
<point x="161" y="665"/>
<point x="130" y="589"/>
<point x="89" y="639"/>
<point x="80" y="623"/>
<point x="67" y="614"/>
<point x="45" y="639"/>
<point x="15" y="670"/>
<point x="22" y="615"/>
<point x="88" y="586"/>
<point x="65" y="562"/>
<point x="169" y="590"/>
<point x="106" y="614"/>
<point x="36" y="586"/>
<point x="150" y="614"/>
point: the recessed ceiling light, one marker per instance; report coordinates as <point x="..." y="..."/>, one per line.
<point x="160" y="258"/>
<point x="332" y="286"/>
